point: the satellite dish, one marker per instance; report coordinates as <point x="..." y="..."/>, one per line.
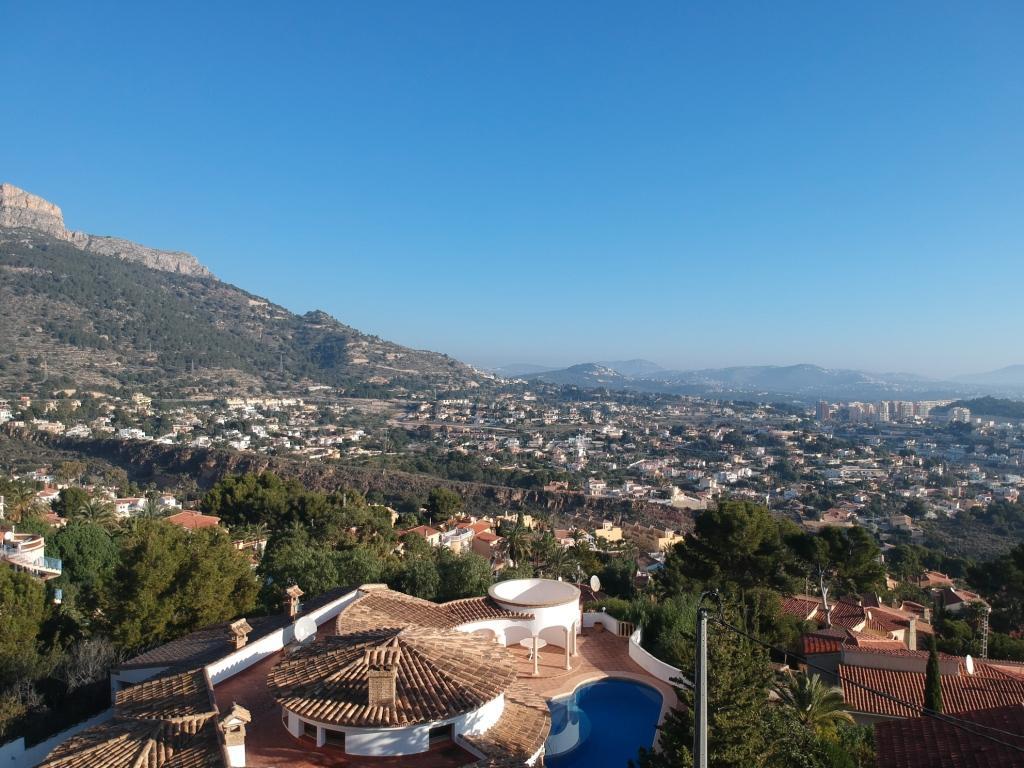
<point x="595" y="583"/>
<point x="969" y="663"/>
<point x="305" y="628"/>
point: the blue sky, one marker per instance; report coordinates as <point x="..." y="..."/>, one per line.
<point x="697" y="183"/>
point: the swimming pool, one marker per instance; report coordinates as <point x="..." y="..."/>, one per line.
<point x="602" y="724"/>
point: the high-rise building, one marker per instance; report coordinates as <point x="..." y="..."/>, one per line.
<point x="824" y="410"/>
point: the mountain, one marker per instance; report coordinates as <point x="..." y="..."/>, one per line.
<point x="89" y="317"/>
<point x="992" y="407"/>
<point x="637" y="368"/>
<point x="587" y="376"/>
<point x="1010" y="376"/>
<point x="804" y="382"/>
<point x="23" y="210"/>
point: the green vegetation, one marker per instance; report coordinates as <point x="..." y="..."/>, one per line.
<point x="995" y="407"/>
<point x="168" y="330"/>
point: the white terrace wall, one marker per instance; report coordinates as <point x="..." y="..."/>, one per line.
<point x="653" y="666"/>
<point x="255" y="652"/>
<point x="592" y="619"/>
<point x="14" y="754"/>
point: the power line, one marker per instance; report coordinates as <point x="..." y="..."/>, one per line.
<point x="948" y="719"/>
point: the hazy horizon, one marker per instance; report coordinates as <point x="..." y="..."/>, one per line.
<point x="701" y="186"/>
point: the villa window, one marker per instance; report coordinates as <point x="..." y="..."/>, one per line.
<point x="334" y="738"/>
<point x="309" y="730"/>
<point x="441" y="733"/>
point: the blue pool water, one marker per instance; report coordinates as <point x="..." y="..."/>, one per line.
<point x="602" y="724"/>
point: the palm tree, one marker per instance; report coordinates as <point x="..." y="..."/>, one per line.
<point x="517" y="542"/>
<point x="558" y="563"/>
<point x="20" y="501"/>
<point x="99" y="512"/>
<point x="817" y="704"/>
<point x="152" y="508"/>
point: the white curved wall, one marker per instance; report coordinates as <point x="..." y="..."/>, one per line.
<point x="653" y="666"/>
<point x="380" y="742"/>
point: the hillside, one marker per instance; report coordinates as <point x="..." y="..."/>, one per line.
<point x="993" y="407"/>
<point x="805" y="382"/>
<point x="79" y="317"/>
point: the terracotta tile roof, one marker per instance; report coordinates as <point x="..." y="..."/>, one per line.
<point x="925" y="742"/>
<point x="818" y="643"/>
<point x="479" y="609"/>
<point x="988" y="687"/>
<point x="112" y="745"/>
<point x="191" y="521"/>
<point x="439" y="675"/>
<point x="173" y="699"/>
<point x="382" y="607"/>
<point x="386" y="608"/>
<point x="169" y="722"/>
<point x="521" y="730"/>
<point x="199" y="648"/>
<point x="800" y="606"/>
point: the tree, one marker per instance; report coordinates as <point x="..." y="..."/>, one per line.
<point x="19" y="501"/>
<point x="738" y="681"/>
<point x="356" y="566"/>
<point x="443" y="504"/>
<point x="517" y="541"/>
<point x="170" y="582"/>
<point x="97" y="511"/>
<point x="22" y="611"/>
<point x="419" y="577"/>
<point x="854" y="559"/>
<point x="69" y="501"/>
<point x="293" y="558"/>
<point x="933" y="680"/>
<point x="463" y="575"/>
<point x="736" y="546"/>
<point x="70" y="471"/>
<point x="618" y="575"/>
<point x="815" y="704"/>
<point x="89" y="557"/>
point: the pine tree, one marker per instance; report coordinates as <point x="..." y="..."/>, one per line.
<point x="739" y="678"/>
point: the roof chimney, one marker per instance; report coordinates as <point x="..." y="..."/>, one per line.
<point x="291" y="601"/>
<point x="232" y="729"/>
<point x="239" y="633"/>
<point x="912" y="633"/>
<point x="382" y="675"/>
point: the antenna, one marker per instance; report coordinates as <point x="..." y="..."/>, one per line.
<point x="595" y="583"/>
<point x="305" y="629"/>
<point x="969" y="663"/>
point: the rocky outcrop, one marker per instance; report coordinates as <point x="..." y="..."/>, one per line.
<point x="23" y="210"/>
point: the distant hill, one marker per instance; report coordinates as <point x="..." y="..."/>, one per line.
<point x="588" y="376"/>
<point x="1010" y="376"/>
<point x="520" y="370"/>
<point x="637" y="368"/>
<point x="806" y="382"/>
<point x="82" y="318"/>
<point x="993" y="407"/>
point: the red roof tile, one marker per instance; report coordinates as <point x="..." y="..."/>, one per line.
<point x="927" y="742"/>
<point x="988" y="687"/>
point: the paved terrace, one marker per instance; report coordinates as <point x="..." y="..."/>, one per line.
<point x="269" y="745"/>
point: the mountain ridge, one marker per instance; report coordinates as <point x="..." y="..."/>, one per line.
<point x="21" y="210"/>
<point x="84" y="319"/>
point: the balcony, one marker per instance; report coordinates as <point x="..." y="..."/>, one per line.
<point x="24" y="552"/>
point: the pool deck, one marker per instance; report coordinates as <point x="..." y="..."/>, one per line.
<point x="600" y="655"/>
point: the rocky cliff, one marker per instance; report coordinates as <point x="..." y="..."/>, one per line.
<point x="23" y="210"/>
